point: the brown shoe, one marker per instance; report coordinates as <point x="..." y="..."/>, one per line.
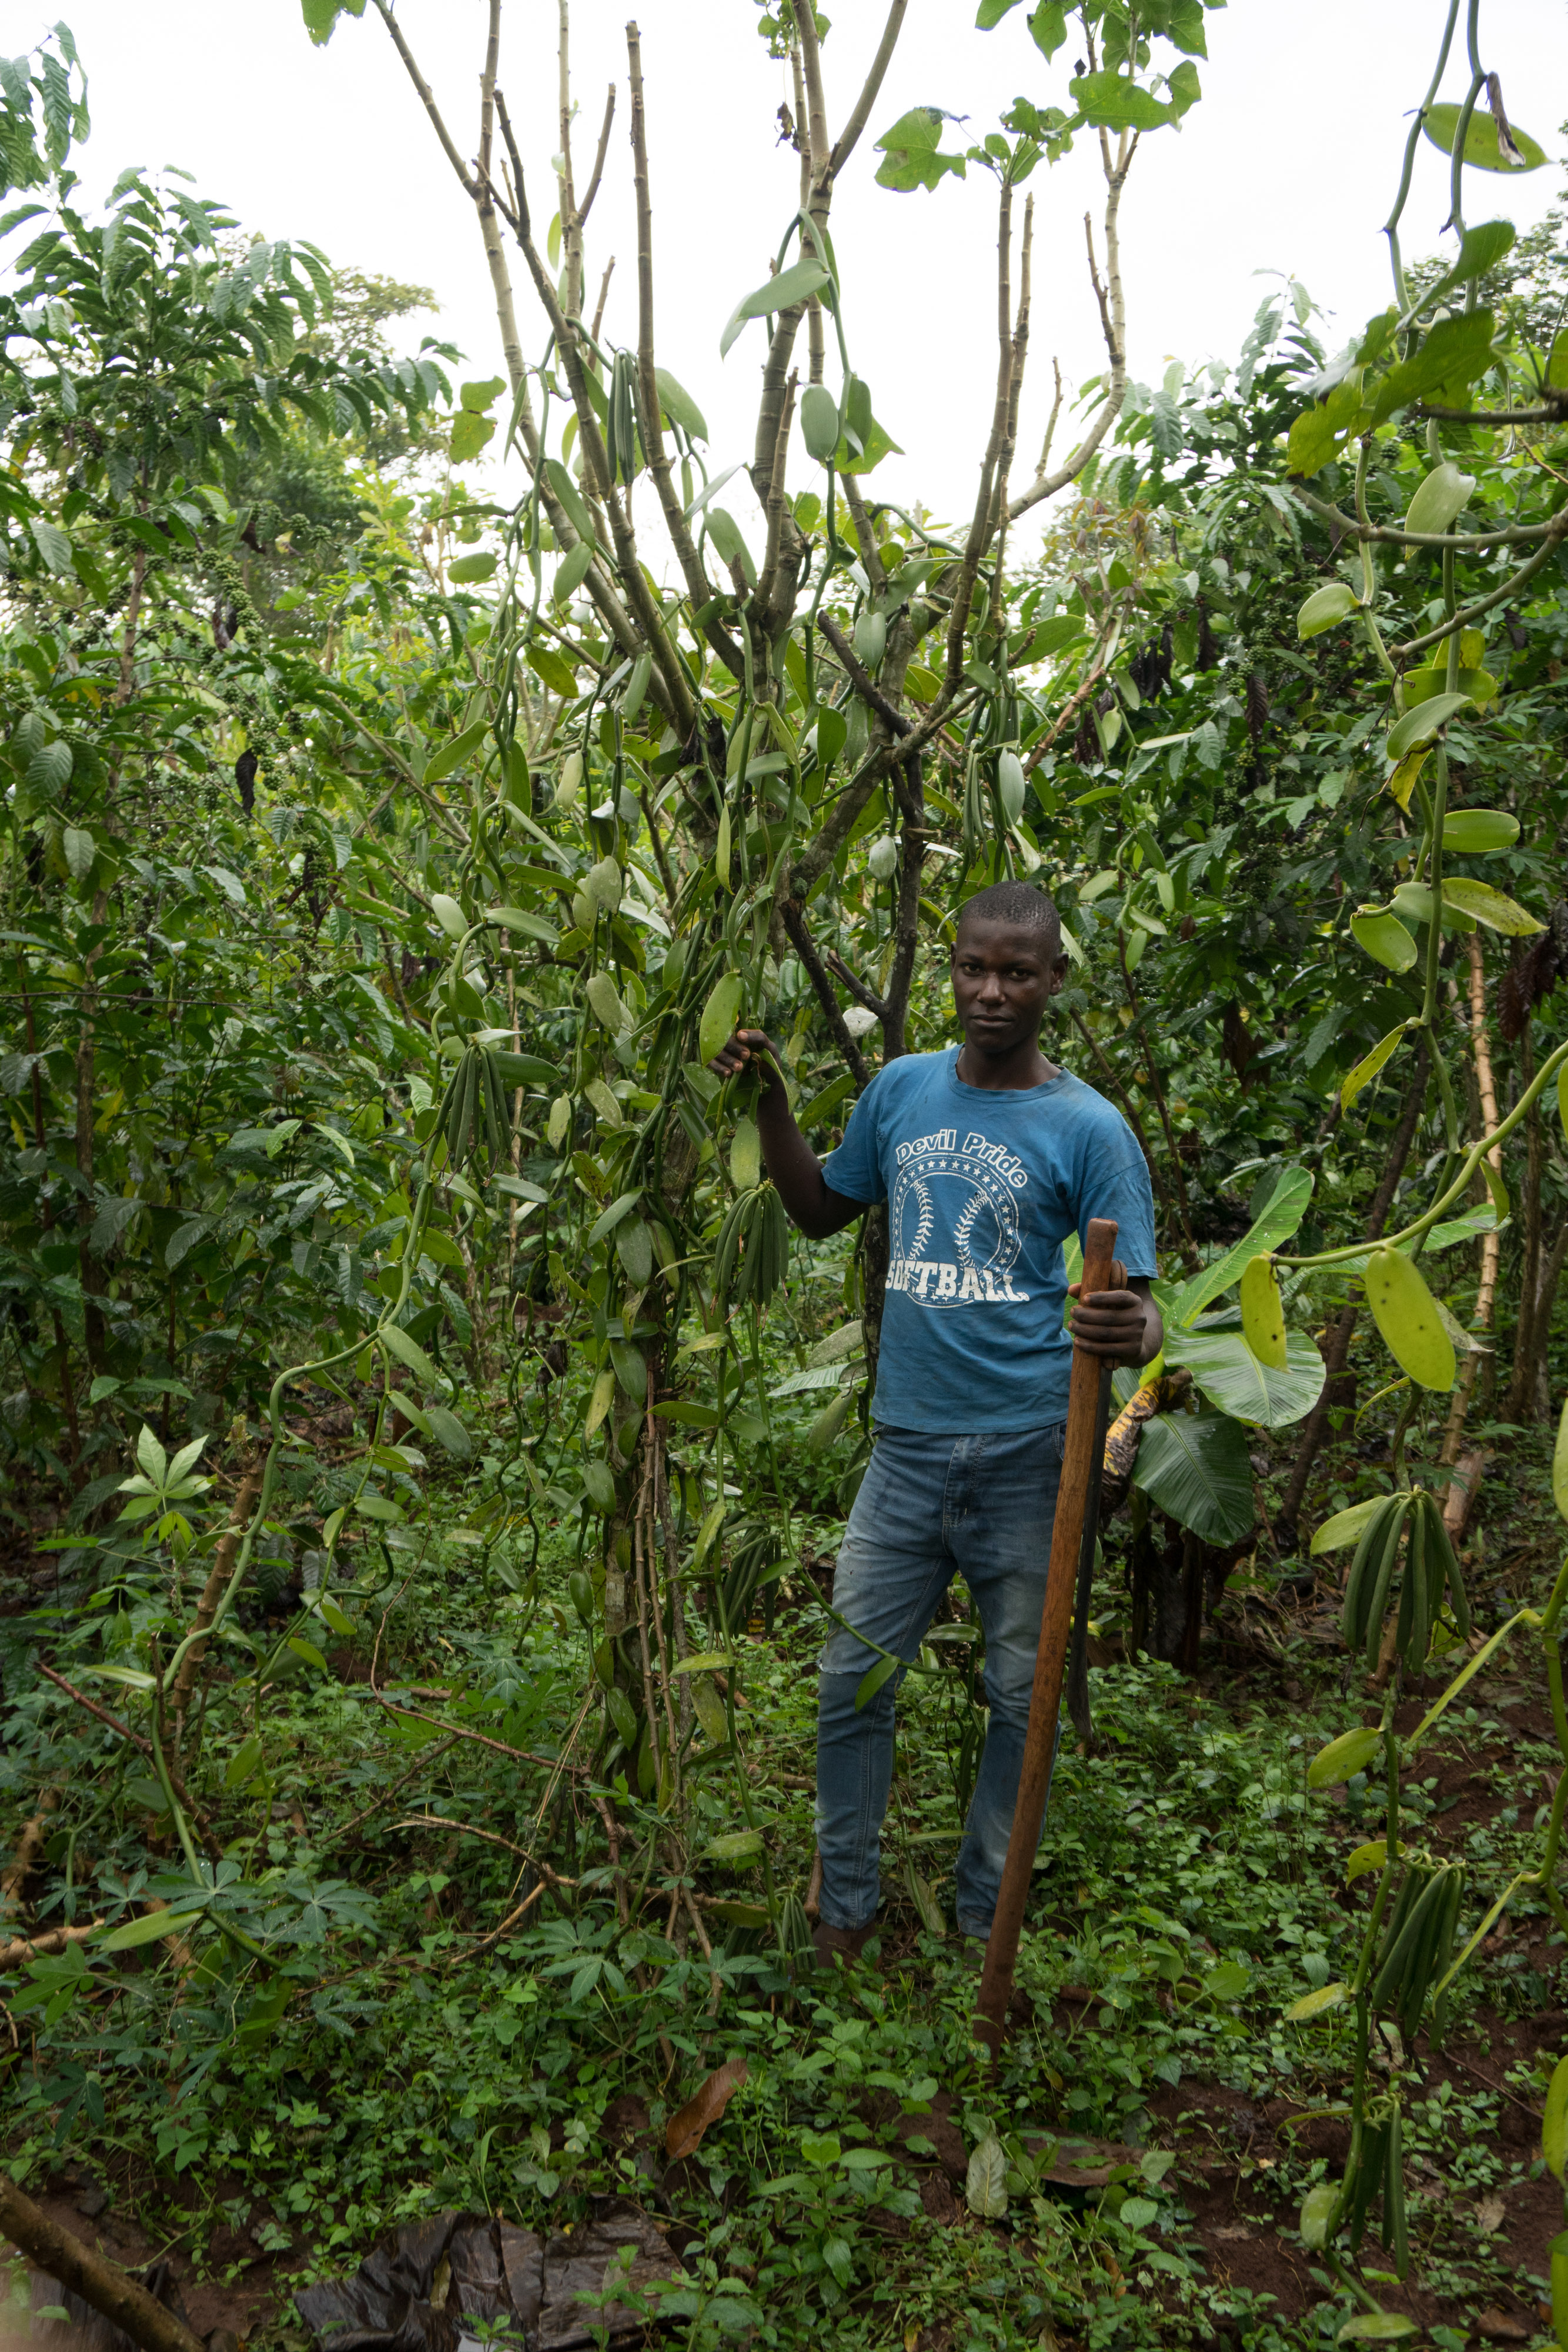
<point x="840" y="1943"/>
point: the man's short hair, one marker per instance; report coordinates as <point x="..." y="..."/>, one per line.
<point x="1019" y="903"/>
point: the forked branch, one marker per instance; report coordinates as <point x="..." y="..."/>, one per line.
<point x="1111" y="304"/>
<point x="981" y="526"/>
<point x="650" y="411"/>
<point x="848" y="137"/>
<point x="587" y="204"/>
<point x="670" y="684"/>
<point x="805" y="947"/>
<point x="822" y="164"/>
<point x="427" y="96"/>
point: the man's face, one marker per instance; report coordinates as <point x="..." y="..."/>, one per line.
<point x="1004" y="976"/>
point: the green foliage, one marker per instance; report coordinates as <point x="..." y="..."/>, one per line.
<point x="1195" y="1467"/>
<point x="915" y="160"/>
<point x="43" y="109"/>
<point x="382" y="869"/>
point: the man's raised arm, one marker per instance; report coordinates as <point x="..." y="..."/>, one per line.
<point x="809" y="1201"/>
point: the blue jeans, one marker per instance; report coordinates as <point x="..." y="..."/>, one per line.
<point x="930" y="1509"/>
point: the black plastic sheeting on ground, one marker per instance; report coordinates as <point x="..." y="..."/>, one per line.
<point x="456" y="2282"/>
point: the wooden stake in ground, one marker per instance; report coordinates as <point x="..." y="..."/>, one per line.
<point x="1076" y="1513"/>
<point x="108" y="2289"/>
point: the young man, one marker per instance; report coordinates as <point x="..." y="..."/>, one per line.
<point x="988" y="1156"/>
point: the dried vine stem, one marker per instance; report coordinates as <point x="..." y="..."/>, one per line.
<point x="491" y="1837"/>
<point x="123" y="1730"/>
<point x="207" y="1607"/>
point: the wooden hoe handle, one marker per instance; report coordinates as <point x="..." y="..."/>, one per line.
<point x="1080" y="1473"/>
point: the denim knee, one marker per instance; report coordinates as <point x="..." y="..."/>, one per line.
<point x="837" y="1686"/>
<point x="1009" y="1683"/>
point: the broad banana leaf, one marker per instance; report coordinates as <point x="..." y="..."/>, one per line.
<point x="1230" y="1376"/>
<point x="1195" y="1466"/>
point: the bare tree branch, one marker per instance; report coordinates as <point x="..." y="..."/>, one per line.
<point x="823" y="167"/>
<point x="775" y="507"/>
<point x="860" y="112"/>
<point x="871" y="554"/>
<point x="1511" y="587"/>
<point x="1050" y="421"/>
<point x="1100" y="663"/>
<point x="1478" y="542"/>
<point x="1015" y="395"/>
<point x="22" y="1949"/>
<point x="489" y="227"/>
<point x="1113" y="325"/>
<point x="980" y="525"/>
<point x="587" y="204"/>
<point x="860" y="678"/>
<point x="203" y="1820"/>
<point x="570" y="227"/>
<point x="910" y="789"/>
<point x="650" y="412"/>
<point x="124" y="2302"/>
<point x="670" y="683"/>
<point x="816" y="345"/>
<point x="816" y="102"/>
<point x="794" y="918"/>
<point x="857" y="987"/>
<point x="770" y="407"/>
<point x="469" y="186"/>
<point x="473" y="188"/>
<point x="604" y="294"/>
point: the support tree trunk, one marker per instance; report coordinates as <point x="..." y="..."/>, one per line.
<point x="1461" y="1490"/>
<point x="1528" y="1336"/>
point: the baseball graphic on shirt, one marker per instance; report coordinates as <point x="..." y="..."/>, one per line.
<point x="953" y="1221"/>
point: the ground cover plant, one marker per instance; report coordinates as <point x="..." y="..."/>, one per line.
<point x="425" y="1446"/>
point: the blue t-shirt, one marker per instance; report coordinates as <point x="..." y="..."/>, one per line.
<point x="983" y="1185"/>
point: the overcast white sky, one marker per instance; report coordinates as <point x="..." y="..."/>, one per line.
<point x="1288" y="165"/>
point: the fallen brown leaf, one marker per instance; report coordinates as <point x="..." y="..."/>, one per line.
<point x="1501" y="2328"/>
<point x="685" y="2130"/>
